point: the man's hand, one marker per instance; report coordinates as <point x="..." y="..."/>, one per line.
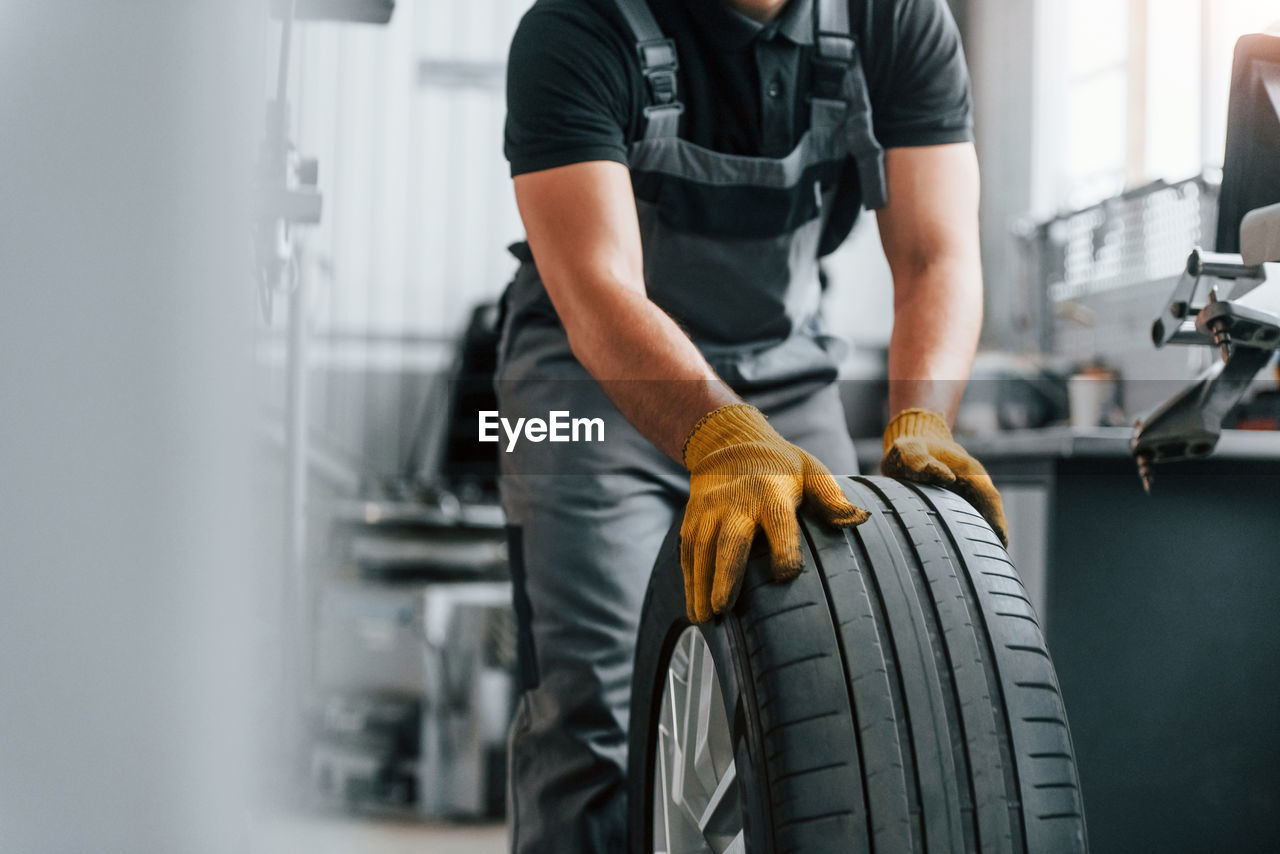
<point x="743" y="477"/>
<point x="918" y="447"/>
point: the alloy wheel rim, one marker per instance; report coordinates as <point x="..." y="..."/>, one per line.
<point x="697" y="803"/>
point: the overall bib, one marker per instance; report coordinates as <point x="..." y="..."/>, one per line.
<point x="730" y="248"/>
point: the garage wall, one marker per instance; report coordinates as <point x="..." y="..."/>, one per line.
<point x="1000" y="37"/>
<point x="407" y="122"/>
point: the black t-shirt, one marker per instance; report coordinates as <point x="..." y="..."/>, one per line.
<point x="575" y="92"/>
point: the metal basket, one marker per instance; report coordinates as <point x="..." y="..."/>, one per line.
<point x="1132" y="242"/>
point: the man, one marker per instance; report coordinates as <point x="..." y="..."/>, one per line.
<point x="680" y="167"/>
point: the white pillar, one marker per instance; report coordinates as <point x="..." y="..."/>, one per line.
<point x="126" y="310"/>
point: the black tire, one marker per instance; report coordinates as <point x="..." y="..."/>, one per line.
<point x="896" y="697"/>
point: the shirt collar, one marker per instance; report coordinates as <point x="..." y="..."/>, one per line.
<point x="796" y="22"/>
<point x="733" y="30"/>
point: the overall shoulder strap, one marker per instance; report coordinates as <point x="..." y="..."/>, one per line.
<point x="658" y="64"/>
<point x="838" y="77"/>
<point x="833" y="49"/>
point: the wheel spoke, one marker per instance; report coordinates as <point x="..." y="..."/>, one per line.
<point x="708" y="702"/>
<point x="721" y="797"/>
<point x="686" y="710"/>
<point x="661" y="819"/>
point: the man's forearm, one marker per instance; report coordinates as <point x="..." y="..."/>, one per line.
<point x="649" y="368"/>
<point x="930" y="235"/>
<point x="582" y="228"/>
<point x="937" y="321"/>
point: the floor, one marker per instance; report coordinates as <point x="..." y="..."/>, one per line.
<point x="335" y="835"/>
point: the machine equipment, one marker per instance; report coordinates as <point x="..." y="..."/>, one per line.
<point x="1228" y="301"/>
<point x="414" y="633"/>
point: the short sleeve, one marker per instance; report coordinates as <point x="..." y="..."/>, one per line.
<point x="920" y="86"/>
<point x="568" y="91"/>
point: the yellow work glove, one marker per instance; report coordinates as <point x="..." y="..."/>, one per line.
<point x="918" y="447"/>
<point x="743" y="476"/>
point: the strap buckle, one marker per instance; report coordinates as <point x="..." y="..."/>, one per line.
<point x="659" y="64"/>
<point x="828" y="79"/>
<point x="831" y="62"/>
<point x="835" y="47"/>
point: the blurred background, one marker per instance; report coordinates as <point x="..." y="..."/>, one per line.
<point x="254" y="589"/>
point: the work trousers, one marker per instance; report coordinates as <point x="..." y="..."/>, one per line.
<point x="586" y="520"/>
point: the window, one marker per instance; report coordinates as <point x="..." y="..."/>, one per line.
<point x="1135" y="90"/>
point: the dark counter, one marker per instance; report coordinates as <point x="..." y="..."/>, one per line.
<point x="1162" y="615"/>
<point x="1071" y="442"/>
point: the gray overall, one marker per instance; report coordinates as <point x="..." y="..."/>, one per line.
<point x="731" y="252"/>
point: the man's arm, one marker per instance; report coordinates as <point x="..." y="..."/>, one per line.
<point x="930" y="235"/>
<point x="743" y="476"/>
<point x="582" y="227"/>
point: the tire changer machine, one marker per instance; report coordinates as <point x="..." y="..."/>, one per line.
<point x="1229" y="300"/>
